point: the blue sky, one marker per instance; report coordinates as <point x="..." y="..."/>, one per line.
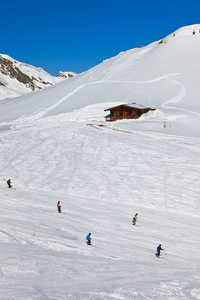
<point x="75" y="35"/>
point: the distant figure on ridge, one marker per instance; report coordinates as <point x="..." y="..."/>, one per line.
<point x="159" y="248"/>
<point x="59" y="207"/>
<point x="88" y="239"/>
<point x="135" y="219"/>
<point x="9" y="183"/>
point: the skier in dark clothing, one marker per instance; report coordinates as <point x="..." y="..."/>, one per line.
<point x="135" y="219"/>
<point x="59" y="207"/>
<point x="159" y="248"/>
<point x="88" y="239"/>
<point x="9" y="183"/>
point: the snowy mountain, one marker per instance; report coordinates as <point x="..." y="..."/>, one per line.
<point x="56" y="145"/>
<point x="18" y="78"/>
<point x="66" y="74"/>
<point x="163" y="75"/>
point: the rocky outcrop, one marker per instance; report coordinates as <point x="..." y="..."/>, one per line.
<point x="66" y="74"/>
<point x="10" y="68"/>
<point x="17" y="78"/>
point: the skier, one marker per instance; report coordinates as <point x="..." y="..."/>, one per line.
<point x="59" y="207"/>
<point x="159" y="248"/>
<point x="9" y="183"/>
<point x="88" y="239"/>
<point x="135" y="219"/>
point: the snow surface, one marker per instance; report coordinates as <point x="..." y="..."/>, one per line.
<point x="55" y="145"/>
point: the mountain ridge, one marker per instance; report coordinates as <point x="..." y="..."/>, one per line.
<point x="17" y="78"/>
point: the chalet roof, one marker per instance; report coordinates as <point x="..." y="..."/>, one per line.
<point x="130" y="106"/>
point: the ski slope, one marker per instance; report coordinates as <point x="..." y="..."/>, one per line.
<point x="55" y="145"/>
<point x="102" y="176"/>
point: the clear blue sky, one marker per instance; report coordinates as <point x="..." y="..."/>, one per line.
<point x="75" y="35"/>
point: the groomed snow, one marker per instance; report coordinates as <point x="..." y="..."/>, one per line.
<point x="102" y="177"/>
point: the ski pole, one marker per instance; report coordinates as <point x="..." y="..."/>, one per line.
<point x="165" y="252"/>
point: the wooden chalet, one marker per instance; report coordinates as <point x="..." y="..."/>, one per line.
<point x="126" y="111"/>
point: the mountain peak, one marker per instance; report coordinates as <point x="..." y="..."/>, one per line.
<point x="17" y="78"/>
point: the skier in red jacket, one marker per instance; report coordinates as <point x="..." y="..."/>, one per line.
<point x="9" y="183"/>
<point x="59" y="207"/>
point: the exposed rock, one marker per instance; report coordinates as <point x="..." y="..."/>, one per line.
<point x="9" y="68"/>
<point x="17" y="78"/>
<point x="65" y="74"/>
<point x="1" y="83"/>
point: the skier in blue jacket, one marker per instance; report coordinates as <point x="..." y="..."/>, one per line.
<point x="88" y="238"/>
<point x="159" y="248"/>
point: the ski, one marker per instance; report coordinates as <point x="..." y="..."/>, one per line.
<point x="88" y="244"/>
<point x="161" y="257"/>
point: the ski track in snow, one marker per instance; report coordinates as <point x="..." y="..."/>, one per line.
<point x="170" y="77"/>
<point x="177" y="98"/>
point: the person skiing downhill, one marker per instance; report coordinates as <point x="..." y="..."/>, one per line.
<point x="59" y="207"/>
<point x="88" y="239"/>
<point x="9" y="183"/>
<point x="159" y="248"/>
<point x="135" y="219"/>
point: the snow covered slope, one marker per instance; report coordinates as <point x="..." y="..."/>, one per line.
<point x="18" y="78"/>
<point x="102" y="176"/>
<point x="55" y="145"/>
<point x="164" y="75"/>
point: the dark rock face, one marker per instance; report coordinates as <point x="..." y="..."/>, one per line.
<point x="9" y="68"/>
<point x="1" y="83"/>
